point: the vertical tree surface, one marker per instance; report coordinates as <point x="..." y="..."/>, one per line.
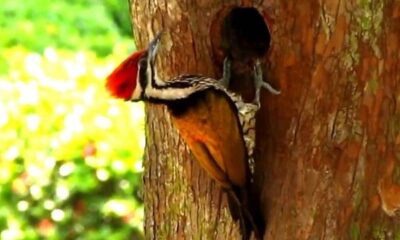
<point x="328" y="148"/>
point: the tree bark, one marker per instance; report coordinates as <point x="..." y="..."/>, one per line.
<point x="181" y="201"/>
<point x="328" y="148"/>
<point x="333" y="135"/>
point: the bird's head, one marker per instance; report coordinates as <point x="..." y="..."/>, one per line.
<point x="129" y="79"/>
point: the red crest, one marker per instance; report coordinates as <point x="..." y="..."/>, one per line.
<point x="123" y="80"/>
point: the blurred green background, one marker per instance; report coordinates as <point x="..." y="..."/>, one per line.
<point x="70" y="156"/>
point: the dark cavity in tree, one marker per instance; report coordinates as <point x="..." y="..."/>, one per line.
<point x="244" y="34"/>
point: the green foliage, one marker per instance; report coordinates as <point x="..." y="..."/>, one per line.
<point x="69" y="154"/>
<point x="119" y="11"/>
<point x="77" y="24"/>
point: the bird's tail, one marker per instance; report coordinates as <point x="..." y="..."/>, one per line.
<point x="244" y="207"/>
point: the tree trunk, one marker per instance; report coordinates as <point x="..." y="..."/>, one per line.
<point x="328" y="148"/>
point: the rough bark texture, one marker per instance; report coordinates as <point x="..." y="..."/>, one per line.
<point x="328" y="148"/>
<point x="181" y="201"/>
<point x="333" y="135"/>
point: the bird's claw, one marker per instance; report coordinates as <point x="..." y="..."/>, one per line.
<point x="259" y="83"/>
<point x="226" y="75"/>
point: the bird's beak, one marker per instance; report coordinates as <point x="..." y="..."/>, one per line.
<point x="153" y="46"/>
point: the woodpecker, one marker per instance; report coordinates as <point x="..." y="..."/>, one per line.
<point x="221" y="143"/>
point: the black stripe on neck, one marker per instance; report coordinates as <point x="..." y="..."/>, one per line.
<point x="143" y="74"/>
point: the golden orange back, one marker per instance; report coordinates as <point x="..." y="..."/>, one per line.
<point x="211" y="129"/>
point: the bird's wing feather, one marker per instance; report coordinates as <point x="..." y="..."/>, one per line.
<point x="211" y="128"/>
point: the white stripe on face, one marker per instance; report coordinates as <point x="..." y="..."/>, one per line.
<point x="168" y="93"/>
<point x="137" y="92"/>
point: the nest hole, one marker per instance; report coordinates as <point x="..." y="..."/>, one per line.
<point x="244" y="33"/>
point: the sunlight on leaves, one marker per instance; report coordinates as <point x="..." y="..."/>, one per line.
<point x="69" y="153"/>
